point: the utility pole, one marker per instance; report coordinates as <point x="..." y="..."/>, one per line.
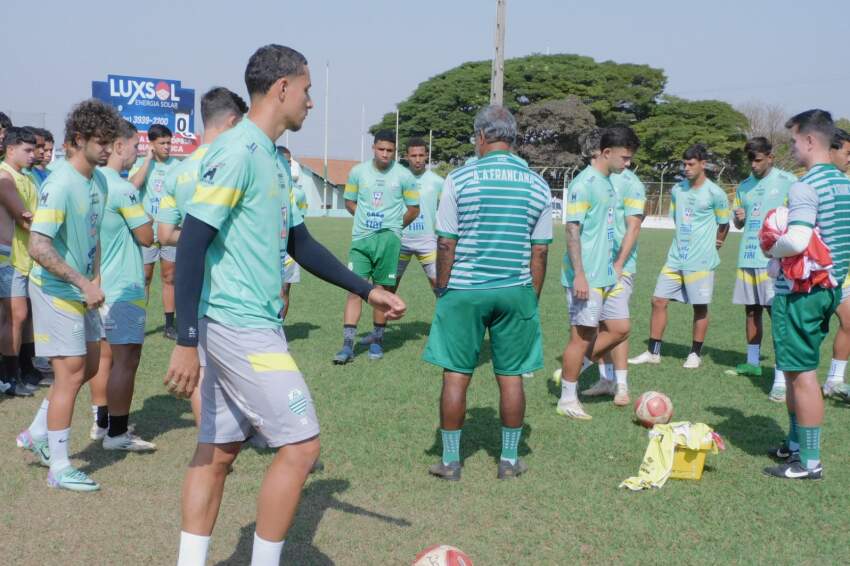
<point x="325" y="159"/>
<point x="497" y="77"/>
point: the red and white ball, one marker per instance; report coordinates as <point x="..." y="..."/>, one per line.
<point x="653" y="408"/>
<point x="442" y="555"/>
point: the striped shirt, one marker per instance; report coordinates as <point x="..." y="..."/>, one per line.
<point x="496" y="208"/>
<point x="821" y="198"/>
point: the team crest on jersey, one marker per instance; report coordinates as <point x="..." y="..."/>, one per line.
<point x="689" y="212"/>
<point x="377" y="198"/>
<point x="610" y="215"/>
<point x="756" y="210"/>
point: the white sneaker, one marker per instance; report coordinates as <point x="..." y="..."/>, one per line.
<point x="621" y="397"/>
<point x="527" y="375"/>
<point x="777" y="394"/>
<point x="692" y="362"/>
<point x="573" y="410"/>
<point x="831" y="388"/>
<point x="128" y="442"/>
<point x="601" y="387"/>
<point x="97" y="433"/>
<point x="646" y="358"/>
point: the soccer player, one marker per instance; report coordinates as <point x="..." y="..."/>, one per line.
<point x="819" y="200"/>
<point x="839" y="153"/>
<point x="382" y="196"/>
<point x="5" y="124"/>
<point x="591" y="275"/>
<point x="700" y="211"/>
<point x="148" y="175"/>
<point x="765" y="189"/>
<point x="291" y="269"/>
<point x="236" y="226"/>
<point x="494" y="227"/>
<point x="221" y="109"/>
<point x="18" y="200"/>
<point x="64" y="285"/>
<point x="38" y="155"/>
<point x="44" y="155"/>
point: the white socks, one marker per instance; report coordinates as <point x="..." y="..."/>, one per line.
<point x="193" y="549"/>
<point x="778" y="378"/>
<point x="568" y="390"/>
<point x="606" y="371"/>
<point x="753" y="354"/>
<point x="836" y="372"/>
<point x="622" y="377"/>
<point x="38" y="427"/>
<point x="266" y="552"/>
<point x="57" y="440"/>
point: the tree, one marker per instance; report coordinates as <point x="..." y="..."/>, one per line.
<point x="766" y="120"/>
<point x="677" y="124"/>
<point x="843" y="123"/>
<point x="447" y="103"/>
<point x="549" y="131"/>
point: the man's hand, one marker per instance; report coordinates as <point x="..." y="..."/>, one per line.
<point x="93" y="296"/>
<point x="718" y="243"/>
<point x="27" y="218"/>
<point x="183" y="371"/>
<point x="740" y="215"/>
<point x="618" y="269"/>
<point x="388" y="303"/>
<point x="581" y="290"/>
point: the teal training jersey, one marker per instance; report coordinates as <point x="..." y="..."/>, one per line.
<point x="758" y="197"/>
<point x="631" y="201"/>
<point x="696" y="213"/>
<point x="121" y="264"/>
<point x="382" y="197"/>
<point x="591" y="202"/>
<point x="299" y="199"/>
<point x="179" y="187"/>
<point x="496" y="208"/>
<point x="243" y="192"/>
<point x="70" y="211"/>
<point x="429" y="185"/>
<point x="152" y="189"/>
<point x="821" y="199"/>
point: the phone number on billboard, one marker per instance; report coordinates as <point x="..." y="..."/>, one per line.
<point x="149" y="120"/>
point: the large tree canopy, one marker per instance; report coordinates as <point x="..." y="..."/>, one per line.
<point x="549" y="131"/>
<point x="448" y="102"/>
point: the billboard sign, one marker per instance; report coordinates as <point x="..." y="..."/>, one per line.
<point x="145" y="101"/>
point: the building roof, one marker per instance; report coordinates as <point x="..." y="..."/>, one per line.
<point x="338" y="169"/>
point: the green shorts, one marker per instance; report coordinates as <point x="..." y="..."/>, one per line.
<point x="509" y="313"/>
<point x="800" y="324"/>
<point x="375" y="257"/>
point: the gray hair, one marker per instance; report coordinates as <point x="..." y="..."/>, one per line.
<point x="496" y="123"/>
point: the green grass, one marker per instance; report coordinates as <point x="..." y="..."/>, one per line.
<point x="375" y="501"/>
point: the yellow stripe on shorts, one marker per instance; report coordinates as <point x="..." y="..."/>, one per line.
<point x="73" y="307"/>
<point x="749" y="279"/>
<point x="141" y="303"/>
<point x="430" y="257"/>
<point x="696" y="276"/>
<point x="671" y="274"/>
<point x="272" y="361"/>
<point x="41" y="338"/>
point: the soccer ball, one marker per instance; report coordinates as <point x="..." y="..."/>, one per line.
<point x="442" y="555"/>
<point x="653" y="408"/>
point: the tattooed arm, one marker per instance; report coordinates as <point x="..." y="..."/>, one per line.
<point x="42" y="251"/>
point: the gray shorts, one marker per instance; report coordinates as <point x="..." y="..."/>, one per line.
<point x="691" y="287"/>
<point x="251" y="383"/>
<point x="616" y="305"/>
<point x="61" y="327"/>
<point x="845" y="290"/>
<point x="598" y="306"/>
<point x="13" y="283"/>
<point x="124" y="322"/>
<point x="752" y="287"/>
<point x="152" y="253"/>
<point x="291" y="271"/>
<point x="424" y="249"/>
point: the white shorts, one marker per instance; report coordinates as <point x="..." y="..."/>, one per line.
<point x="691" y="287"/>
<point x="150" y="254"/>
<point x="62" y="327"/>
<point x="13" y="283"/>
<point x="603" y="303"/>
<point x="425" y="251"/>
<point x="124" y="322"/>
<point x="753" y="286"/>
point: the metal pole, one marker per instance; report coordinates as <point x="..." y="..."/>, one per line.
<point x="325" y="175"/>
<point x="430" y="144"/>
<point x="362" y="133"/>
<point x="497" y="77"/>
<point x="396" y="134"/>
<point x="661" y="192"/>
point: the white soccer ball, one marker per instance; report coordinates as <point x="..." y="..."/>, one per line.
<point x="442" y="555"/>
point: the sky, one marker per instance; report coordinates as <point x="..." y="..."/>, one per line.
<point x="378" y="51"/>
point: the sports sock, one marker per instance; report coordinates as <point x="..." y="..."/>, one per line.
<point x="654" y="346"/>
<point x="586" y="363"/>
<point x="101" y="416"/>
<point x="378" y="332"/>
<point x="117" y="425"/>
<point x="348" y="332"/>
<point x="193" y="549"/>
<point x="622" y="376"/>
<point x="38" y="427"/>
<point x="26" y="356"/>
<point x="57" y="441"/>
<point x="793" y="435"/>
<point x="609" y="372"/>
<point x="809" y="446"/>
<point x="169" y="320"/>
<point x="753" y="354"/>
<point x="696" y="348"/>
<point x="603" y="371"/>
<point x="836" y="371"/>
<point x="451" y="445"/>
<point x="11" y="367"/>
<point x="266" y="552"/>
<point x="510" y="443"/>
<point x="568" y="390"/>
<point x="778" y="378"/>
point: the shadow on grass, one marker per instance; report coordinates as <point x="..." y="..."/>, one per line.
<point x="729" y="358"/>
<point x="299" y="330"/>
<point x="753" y="434"/>
<point x="396" y="334"/>
<point x="318" y="497"/>
<point x="765" y="382"/>
<point x="482" y="430"/>
<point x="158" y="330"/>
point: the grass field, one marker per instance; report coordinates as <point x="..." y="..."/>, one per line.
<point x="375" y="503"/>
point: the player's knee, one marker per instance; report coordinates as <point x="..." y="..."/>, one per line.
<point x="167" y="276"/>
<point x="659" y="303"/>
<point x="305" y="453"/>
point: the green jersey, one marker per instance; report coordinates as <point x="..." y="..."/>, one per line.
<point x="758" y="197"/>
<point x="152" y="189"/>
<point x="70" y="211"/>
<point x="429" y="185"/>
<point x="179" y="187"/>
<point x="697" y="214"/>
<point x="243" y="192"/>
<point x="591" y="202"/>
<point x="496" y="208"/>
<point x="121" y="264"/>
<point x="382" y="197"/>
<point x="631" y="201"/>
